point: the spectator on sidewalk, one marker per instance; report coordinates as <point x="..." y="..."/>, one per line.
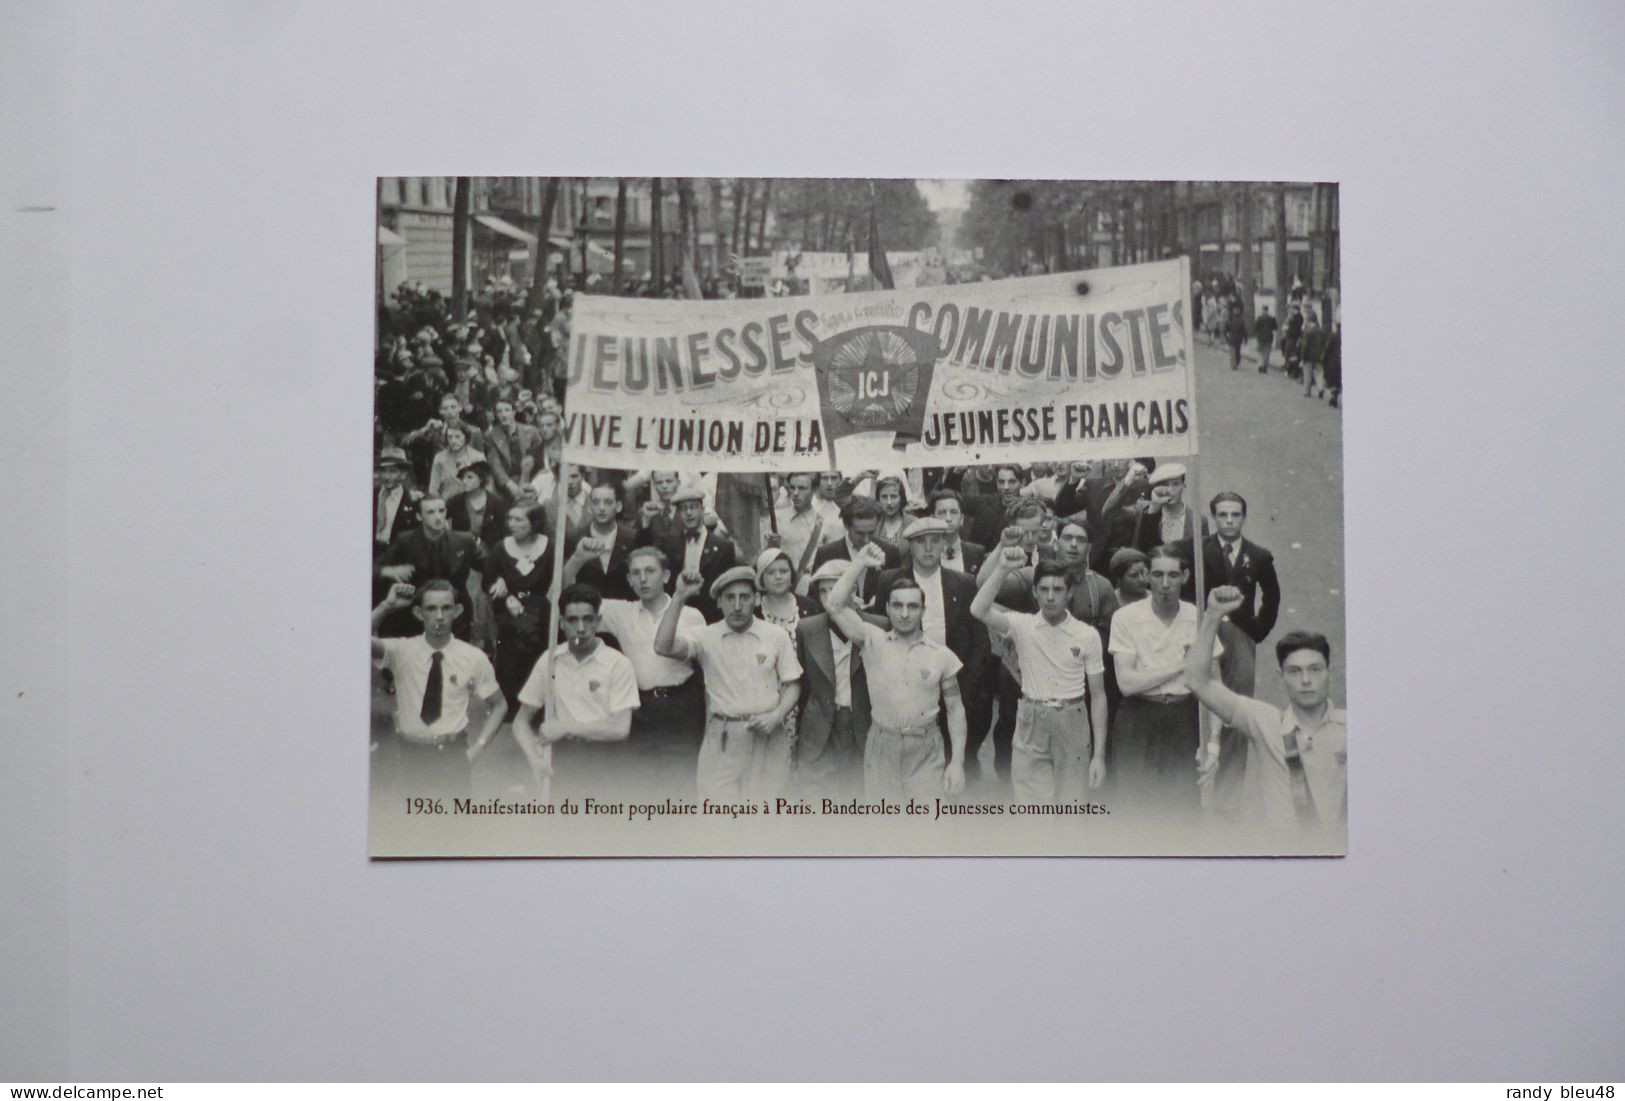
<point x="1235" y="335"/>
<point x="1264" y="333"/>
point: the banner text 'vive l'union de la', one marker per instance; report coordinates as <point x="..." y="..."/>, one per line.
<point x="1009" y="370"/>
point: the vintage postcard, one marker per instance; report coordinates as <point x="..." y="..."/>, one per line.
<point x="852" y="517"/>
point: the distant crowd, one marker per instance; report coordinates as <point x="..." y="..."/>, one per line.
<point x="839" y="635"/>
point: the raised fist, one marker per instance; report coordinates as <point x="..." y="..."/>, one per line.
<point x="1010" y="536"/>
<point x="1225" y="599"/>
<point x="872" y="555"/>
<point x="688" y="583"/>
<point x="1013" y="558"/>
<point x="401" y="594"/>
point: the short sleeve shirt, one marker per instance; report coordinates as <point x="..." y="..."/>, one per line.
<point x="586" y="691"/>
<point x="744" y="670"/>
<point x="464" y="671"/>
<point x="905" y="676"/>
<point x="634" y="627"/>
<point x="1137" y="630"/>
<point x="1056" y="659"/>
<point x="1323" y="750"/>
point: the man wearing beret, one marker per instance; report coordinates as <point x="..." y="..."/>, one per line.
<point x="946" y="619"/>
<point x="917" y="681"/>
<point x="752" y="682"/>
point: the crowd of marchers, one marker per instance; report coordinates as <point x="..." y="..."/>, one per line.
<point x="862" y="633"/>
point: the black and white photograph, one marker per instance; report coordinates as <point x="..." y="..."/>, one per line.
<point x="859" y="558"/>
<point x="752" y="516"/>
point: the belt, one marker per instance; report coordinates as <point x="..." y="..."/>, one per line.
<point x="929" y="729"/>
<point x="1055" y="704"/>
<point x="440" y="742"/>
<point x="667" y="691"/>
<point x="1163" y="697"/>
<point x="729" y="719"/>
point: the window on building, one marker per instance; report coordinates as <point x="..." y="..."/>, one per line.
<point x="1298" y="211"/>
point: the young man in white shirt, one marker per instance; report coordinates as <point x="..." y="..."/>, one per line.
<point x="915" y="678"/>
<point x="436" y="677"/>
<point x="671" y="718"/>
<point x="1059" y="746"/>
<point x="594" y="692"/>
<point x="1297" y="764"/>
<point x="752" y="681"/>
<point x="1159" y="747"/>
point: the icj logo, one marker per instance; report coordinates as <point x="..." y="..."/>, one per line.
<point x="876" y="379"/>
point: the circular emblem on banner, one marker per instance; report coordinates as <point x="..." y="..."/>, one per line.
<point x="874" y="374"/>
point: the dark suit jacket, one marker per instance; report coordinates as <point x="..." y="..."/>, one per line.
<point x="612" y="583"/>
<point x="817" y="654"/>
<point x="1254" y="575"/>
<point x="1148" y="536"/>
<point x="507" y="461"/>
<point x="870" y="582"/>
<point x="984" y="520"/>
<point x="492" y="528"/>
<point x="716" y="557"/>
<point x="966" y="635"/>
<point x="462" y="555"/>
<point x="406" y="515"/>
<point x="971" y="557"/>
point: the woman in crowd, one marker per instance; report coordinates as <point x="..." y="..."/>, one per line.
<point x="892" y="496"/>
<point x="778" y="604"/>
<point x="443" y="470"/>
<point x="521" y="572"/>
<point x="479" y="508"/>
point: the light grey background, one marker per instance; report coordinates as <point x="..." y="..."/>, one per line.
<point x="186" y="342"/>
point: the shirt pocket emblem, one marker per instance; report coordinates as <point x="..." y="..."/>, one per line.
<point x="592" y="685"/>
<point x="1077" y="652"/>
<point x="454" y="678"/>
<point x="761" y="659"/>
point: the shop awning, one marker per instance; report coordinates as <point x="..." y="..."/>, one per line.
<point x="497" y="225"/>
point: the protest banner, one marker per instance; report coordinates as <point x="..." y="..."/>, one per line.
<point x="1087" y="365"/>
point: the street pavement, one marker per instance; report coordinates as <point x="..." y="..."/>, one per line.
<point x="1283" y="452"/>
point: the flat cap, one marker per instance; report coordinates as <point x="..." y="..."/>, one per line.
<point x="732" y="577"/>
<point x="830" y="571"/>
<point x="688" y="493"/>
<point x="1167" y="472"/>
<point x="925" y="525"/>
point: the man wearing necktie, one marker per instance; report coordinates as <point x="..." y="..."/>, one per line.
<point x="436" y="677"/>
<point x="1229" y="559"/>
<point x="834" y="722"/>
<point x="693" y="548"/>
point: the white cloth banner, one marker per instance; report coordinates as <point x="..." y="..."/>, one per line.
<point x="1007" y="370"/>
